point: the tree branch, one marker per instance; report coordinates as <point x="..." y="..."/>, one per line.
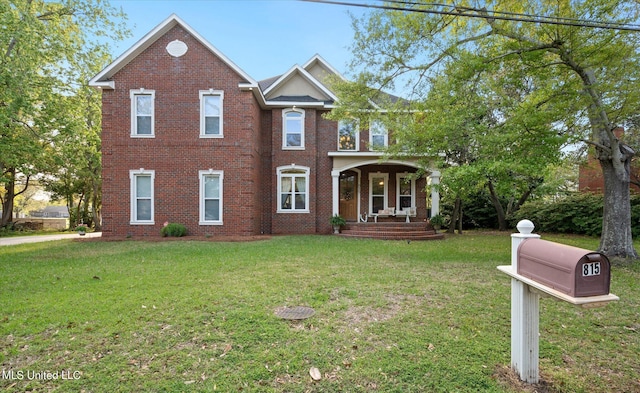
<point x="26" y="185"/>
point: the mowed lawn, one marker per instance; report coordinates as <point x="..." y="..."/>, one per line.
<point x="390" y="316"/>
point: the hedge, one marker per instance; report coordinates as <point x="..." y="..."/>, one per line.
<point x="579" y="213"/>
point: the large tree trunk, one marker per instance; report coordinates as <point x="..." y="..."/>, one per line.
<point x="616" y="239"/>
<point x="456" y="216"/>
<point x="502" y="217"/>
<point x="8" y="198"/>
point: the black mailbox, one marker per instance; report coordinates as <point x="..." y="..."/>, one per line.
<point x="574" y="271"/>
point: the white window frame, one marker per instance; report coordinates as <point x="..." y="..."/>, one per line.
<point x="203" y="95"/>
<point x="201" y="175"/>
<point x="292" y="171"/>
<point x="133" y="94"/>
<point x="285" y="132"/>
<point x="385" y="176"/>
<point x="400" y="178"/>
<point x="378" y="125"/>
<point x="356" y="124"/>
<point x="133" y="176"/>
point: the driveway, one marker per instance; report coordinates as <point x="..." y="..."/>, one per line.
<point x="9" y="241"/>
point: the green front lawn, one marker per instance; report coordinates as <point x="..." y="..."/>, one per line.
<point x="391" y="316"/>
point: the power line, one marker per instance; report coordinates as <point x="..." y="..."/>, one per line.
<point x="515" y="14"/>
<point x="471" y="13"/>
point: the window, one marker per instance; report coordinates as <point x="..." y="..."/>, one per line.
<point x="378" y="183"/>
<point x="378" y="138"/>
<point x="211" y="197"/>
<point x="142" y="196"/>
<point x="293" y="189"/>
<point x="211" y="113"/>
<point x="348" y="135"/>
<point x="142" y="113"/>
<point x="406" y="190"/>
<point x="293" y="129"/>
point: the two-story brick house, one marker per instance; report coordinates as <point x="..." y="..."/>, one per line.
<point x="189" y="137"/>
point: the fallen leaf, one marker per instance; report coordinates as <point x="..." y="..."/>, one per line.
<point x="315" y="374"/>
<point x="227" y="348"/>
<point x="431" y="347"/>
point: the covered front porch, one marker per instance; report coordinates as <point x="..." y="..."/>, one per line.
<point x="369" y="189"/>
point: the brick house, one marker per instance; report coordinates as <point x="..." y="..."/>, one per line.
<point x="590" y="177"/>
<point x="189" y="137"/>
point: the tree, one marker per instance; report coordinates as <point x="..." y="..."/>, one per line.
<point x="592" y="74"/>
<point x="76" y="165"/>
<point x="43" y="44"/>
<point x="489" y="142"/>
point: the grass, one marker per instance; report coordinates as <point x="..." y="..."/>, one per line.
<point x="390" y="317"/>
<point x="28" y="232"/>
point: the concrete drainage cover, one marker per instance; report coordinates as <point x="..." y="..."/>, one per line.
<point x="295" y="313"/>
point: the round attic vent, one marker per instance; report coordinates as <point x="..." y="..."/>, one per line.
<point x="177" y="48"/>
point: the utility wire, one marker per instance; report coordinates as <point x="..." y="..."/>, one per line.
<point x="470" y="13"/>
<point x="515" y="14"/>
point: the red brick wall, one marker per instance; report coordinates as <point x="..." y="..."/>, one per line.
<point x="294" y="222"/>
<point x="249" y="153"/>
<point x="177" y="152"/>
<point x="590" y="177"/>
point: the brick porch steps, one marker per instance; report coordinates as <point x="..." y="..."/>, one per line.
<point x="390" y="231"/>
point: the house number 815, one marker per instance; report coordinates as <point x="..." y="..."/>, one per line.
<point x="591" y="269"/>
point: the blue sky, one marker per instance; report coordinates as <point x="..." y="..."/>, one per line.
<point x="263" y="37"/>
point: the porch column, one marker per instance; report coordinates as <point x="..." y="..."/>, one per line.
<point x="434" y="178"/>
<point x="335" y="188"/>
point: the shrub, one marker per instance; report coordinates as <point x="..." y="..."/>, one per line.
<point x="579" y="213"/>
<point x="337" y="220"/>
<point x="173" y="229"/>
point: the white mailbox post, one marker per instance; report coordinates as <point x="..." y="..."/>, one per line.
<point x="525" y="308"/>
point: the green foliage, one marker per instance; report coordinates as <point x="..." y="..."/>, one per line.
<point x="478" y="211"/>
<point x="437" y="220"/>
<point x="173" y="229"/>
<point x="579" y="213"/>
<point x="48" y="51"/>
<point x="337" y="220"/>
<point x="497" y="98"/>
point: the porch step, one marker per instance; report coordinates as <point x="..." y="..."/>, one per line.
<point x="391" y="231"/>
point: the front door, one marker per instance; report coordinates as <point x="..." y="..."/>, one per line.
<point x="348" y="195"/>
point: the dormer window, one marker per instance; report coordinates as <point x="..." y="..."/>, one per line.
<point x="348" y="135"/>
<point x="293" y="129"/>
<point x="378" y="136"/>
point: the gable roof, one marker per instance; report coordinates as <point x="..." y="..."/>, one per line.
<point x="103" y="79"/>
<point x="297" y="85"/>
<point x="304" y="86"/>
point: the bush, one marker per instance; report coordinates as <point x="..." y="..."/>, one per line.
<point x="173" y="229"/>
<point x="579" y="213"/>
<point x="477" y="212"/>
